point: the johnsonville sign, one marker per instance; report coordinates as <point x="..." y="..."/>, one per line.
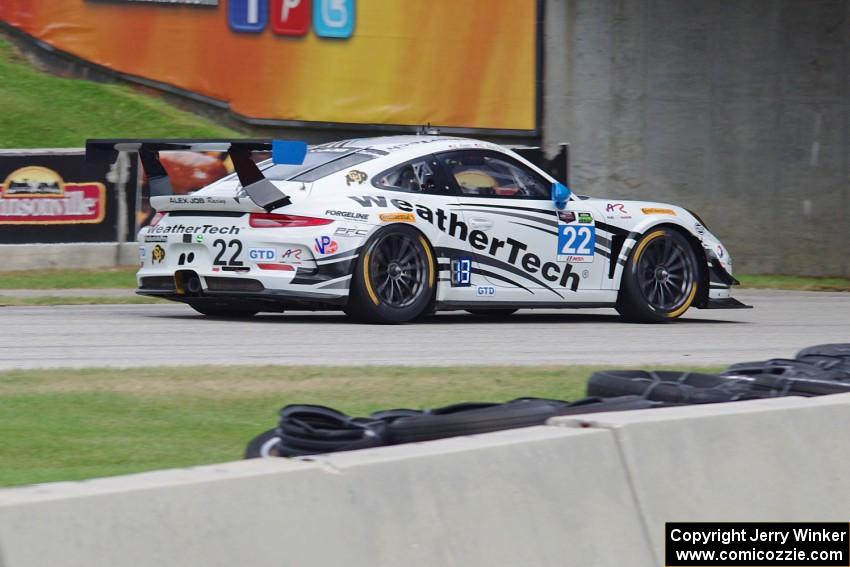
<point x="38" y="195"/>
<point x="55" y="196"/>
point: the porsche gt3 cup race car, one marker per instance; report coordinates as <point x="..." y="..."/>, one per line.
<point x="388" y="229"/>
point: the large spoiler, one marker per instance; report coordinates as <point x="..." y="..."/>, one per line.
<point x="259" y="189"/>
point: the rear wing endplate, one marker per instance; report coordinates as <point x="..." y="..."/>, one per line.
<point x="259" y="189"/>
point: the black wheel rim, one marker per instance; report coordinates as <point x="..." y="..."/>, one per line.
<point x="666" y="273"/>
<point x="397" y="269"/>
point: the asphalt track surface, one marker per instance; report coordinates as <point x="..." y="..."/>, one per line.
<point x="146" y="335"/>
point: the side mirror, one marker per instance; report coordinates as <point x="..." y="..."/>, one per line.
<point x="560" y="195"/>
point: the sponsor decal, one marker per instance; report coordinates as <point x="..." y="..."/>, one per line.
<point x="262" y="254"/>
<point x="156" y="238"/>
<point x="189" y="229"/>
<point x="158" y="254"/>
<point x="351" y="231"/>
<point x="181" y="200"/>
<point x="325" y="245"/>
<point x="461" y="272"/>
<point x="566" y="217"/>
<point x="720" y="251"/>
<point x="355" y="176"/>
<point x="507" y="249"/>
<point x="585" y="218"/>
<point x="38" y="195"/>
<point x="576" y="243"/>
<point x="349" y="215"/>
<point x="585" y="274"/>
<point x="700" y="230"/>
<point x="616" y="207"/>
<point x="142" y="252"/>
<point x="657" y="211"/>
<point x="199" y="238"/>
<point x="291" y="256"/>
<point x="397" y="217"/>
<point x="485" y="291"/>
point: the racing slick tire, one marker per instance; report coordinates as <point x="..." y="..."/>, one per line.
<point x="492" y="313"/>
<point x="263" y="445"/>
<point x="223" y="310"/>
<point x="661" y="278"/>
<point x="395" y="277"/>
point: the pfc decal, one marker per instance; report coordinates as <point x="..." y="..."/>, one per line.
<point x="262" y="254"/>
<point x="158" y="254"/>
<point x="351" y="231"/>
<point x="348" y="215"/>
<point x="355" y="176"/>
<point x="38" y="195"/>
<point x="505" y="249"/>
<point x="485" y="291"/>
<point x="657" y="211"/>
<point x="397" y="217"/>
<point x="325" y="245"/>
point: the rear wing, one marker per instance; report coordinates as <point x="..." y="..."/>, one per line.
<point x="259" y="189"/>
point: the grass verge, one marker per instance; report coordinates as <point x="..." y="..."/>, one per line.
<point x="48" y="300"/>
<point x="42" y="110"/>
<point x="75" y="424"/>
<point x="69" y="279"/>
<point x="797" y="283"/>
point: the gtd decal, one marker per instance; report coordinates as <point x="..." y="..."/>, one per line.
<point x="262" y="254"/>
<point x="331" y="18"/>
<point x="485" y="290"/>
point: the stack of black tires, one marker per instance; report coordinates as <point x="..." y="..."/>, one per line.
<point x="309" y="430"/>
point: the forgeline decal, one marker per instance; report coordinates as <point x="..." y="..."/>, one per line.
<point x="38" y="195"/>
<point x="348" y="215"/>
<point x="657" y="211"/>
<point x="188" y="229"/>
<point x="508" y="249"/>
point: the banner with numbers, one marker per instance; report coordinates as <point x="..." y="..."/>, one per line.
<point x="452" y="63"/>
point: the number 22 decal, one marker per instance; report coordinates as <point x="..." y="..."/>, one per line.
<point x="223" y="246"/>
<point x="576" y="240"/>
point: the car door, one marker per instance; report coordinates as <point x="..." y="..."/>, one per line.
<point x="518" y="241"/>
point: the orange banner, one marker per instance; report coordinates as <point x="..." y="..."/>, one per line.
<point x="460" y="63"/>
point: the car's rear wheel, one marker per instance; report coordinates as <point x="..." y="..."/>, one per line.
<point x="660" y="279"/>
<point x="394" y="278"/>
<point x="224" y="310"/>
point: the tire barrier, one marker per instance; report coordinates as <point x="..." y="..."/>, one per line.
<point x="311" y="430"/>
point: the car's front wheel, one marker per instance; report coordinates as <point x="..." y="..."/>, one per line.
<point x="394" y="278"/>
<point x="660" y="279"/>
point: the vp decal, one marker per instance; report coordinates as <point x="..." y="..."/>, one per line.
<point x="325" y="245"/>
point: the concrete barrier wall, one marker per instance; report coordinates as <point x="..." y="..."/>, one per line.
<point x="590" y="490"/>
<point x="541" y="496"/>
<point x="784" y="459"/>
<point x="86" y="256"/>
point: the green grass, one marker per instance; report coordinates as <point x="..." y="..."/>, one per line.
<point x="799" y="283"/>
<point x="69" y="279"/>
<point x="48" y="300"/>
<point x="42" y="110"/>
<point x="75" y="424"/>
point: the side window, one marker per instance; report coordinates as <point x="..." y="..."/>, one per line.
<point x="422" y="175"/>
<point x="491" y="174"/>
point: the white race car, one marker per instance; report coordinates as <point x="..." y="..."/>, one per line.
<point x="388" y="229"/>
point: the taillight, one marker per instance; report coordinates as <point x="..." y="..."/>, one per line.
<point x="271" y="220"/>
<point x="156" y="218"/>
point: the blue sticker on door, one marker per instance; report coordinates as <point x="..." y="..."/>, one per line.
<point x="576" y="243"/>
